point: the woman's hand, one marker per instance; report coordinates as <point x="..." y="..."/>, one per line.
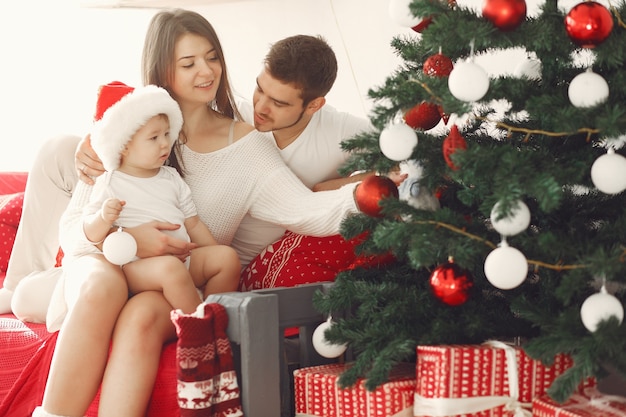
<point x="151" y="241"/>
<point x="88" y="165"/>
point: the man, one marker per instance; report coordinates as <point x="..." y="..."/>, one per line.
<point x="289" y="103"/>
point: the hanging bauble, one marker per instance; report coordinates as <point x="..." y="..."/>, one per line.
<point x="119" y="247"/>
<point x="529" y="69"/>
<point x="444" y="116"/>
<point x="400" y="13"/>
<point x="468" y="81"/>
<point x="323" y="346"/>
<point x="598" y="307"/>
<point x="516" y="222"/>
<point x="588" y="24"/>
<point x="371" y="191"/>
<point x="608" y="172"/>
<point x="369" y="261"/>
<point x="588" y="89"/>
<point x="506" y="15"/>
<point x="451" y="284"/>
<point x="506" y="267"/>
<point x="453" y="142"/>
<point x="423" y="24"/>
<point x="438" y="65"/>
<point x="372" y="261"/>
<point x="397" y="141"/>
<point x="428" y="20"/>
<point x="423" y="116"/>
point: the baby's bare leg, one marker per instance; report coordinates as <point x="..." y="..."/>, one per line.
<point x="167" y="274"/>
<point x="216" y="268"/>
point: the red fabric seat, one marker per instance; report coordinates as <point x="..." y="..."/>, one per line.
<point x="26" y="350"/>
<point x="25" y="353"/>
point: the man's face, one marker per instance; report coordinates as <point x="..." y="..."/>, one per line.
<point x="276" y="105"/>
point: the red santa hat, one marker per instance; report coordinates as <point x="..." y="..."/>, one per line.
<point x="122" y="110"/>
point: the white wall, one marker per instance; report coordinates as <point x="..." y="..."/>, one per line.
<point x="56" y="54"/>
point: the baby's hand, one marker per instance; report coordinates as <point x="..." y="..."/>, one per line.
<point x="111" y="209"/>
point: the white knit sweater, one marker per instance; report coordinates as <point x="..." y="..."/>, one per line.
<point x="248" y="176"/>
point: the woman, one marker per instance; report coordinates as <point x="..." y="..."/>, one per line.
<point x="231" y="169"/>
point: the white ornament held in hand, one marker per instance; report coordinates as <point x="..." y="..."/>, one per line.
<point x="119" y="247"/>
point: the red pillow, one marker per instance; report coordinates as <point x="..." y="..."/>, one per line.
<point x="296" y="259"/>
<point x="10" y="213"/>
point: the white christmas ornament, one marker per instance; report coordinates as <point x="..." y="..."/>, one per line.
<point x="119" y="247"/>
<point x="468" y="81"/>
<point x="400" y="13"/>
<point x="530" y="69"/>
<point x="516" y="222"/>
<point x="608" y="173"/>
<point x="588" y="89"/>
<point x="506" y="267"/>
<point x="600" y="306"/>
<point x="397" y="141"/>
<point x="323" y="346"/>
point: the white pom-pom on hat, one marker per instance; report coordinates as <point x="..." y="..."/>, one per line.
<point x="122" y="110"/>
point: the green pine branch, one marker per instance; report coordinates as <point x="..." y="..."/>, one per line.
<point x="525" y="140"/>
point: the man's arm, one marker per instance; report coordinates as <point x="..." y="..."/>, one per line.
<point x="339" y="182"/>
<point x="396" y="176"/>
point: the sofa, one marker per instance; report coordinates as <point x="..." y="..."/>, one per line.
<point x="257" y="322"/>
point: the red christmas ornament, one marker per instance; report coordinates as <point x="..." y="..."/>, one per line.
<point x="440" y="191"/>
<point x="451" y="144"/>
<point x="588" y="24"/>
<point x="451" y="284"/>
<point x="369" y="261"/>
<point x="423" y="116"/>
<point x="438" y="65"/>
<point x="372" y="261"/>
<point x="371" y="191"/>
<point x="506" y="15"/>
<point x="444" y="116"/>
<point x="423" y="24"/>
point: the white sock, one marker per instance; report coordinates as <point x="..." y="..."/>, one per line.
<point x="5" y="300"/>
<point x="40" y="412"/>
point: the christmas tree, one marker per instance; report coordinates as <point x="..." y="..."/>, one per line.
<point x="529" y="240"/>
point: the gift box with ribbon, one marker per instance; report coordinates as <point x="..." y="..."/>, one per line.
<point x="317" y="394"/>
<point x="588" y="403"/>
<point x="489" y="380"/>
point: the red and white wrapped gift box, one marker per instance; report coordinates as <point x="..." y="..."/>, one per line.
<point x="317" y="394"/>
<point x="489" y="380"/>
<point x="588" y="403"/>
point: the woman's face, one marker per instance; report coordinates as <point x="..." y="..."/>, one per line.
<point x="197" y="70"/>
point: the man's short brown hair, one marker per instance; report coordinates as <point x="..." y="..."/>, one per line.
<point x="306" y="61"/>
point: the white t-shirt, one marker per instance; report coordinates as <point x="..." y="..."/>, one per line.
<point x="315" y="156"/>
<point x="164" y="197"/>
